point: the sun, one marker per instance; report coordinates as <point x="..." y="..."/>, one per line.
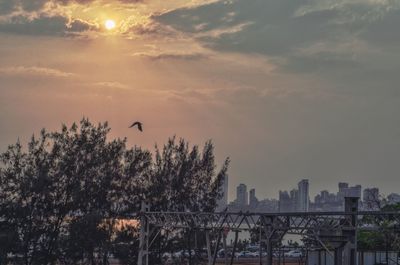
<point x="109" y="24"/>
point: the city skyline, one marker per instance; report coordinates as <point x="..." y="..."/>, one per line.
<point x="299" y="200"/>
<point x="314" y="191"/>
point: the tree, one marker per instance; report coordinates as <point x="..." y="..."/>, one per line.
<point x="184" y="179"/>
<point x="63" y="197"/>
<point x="387" y="237"/>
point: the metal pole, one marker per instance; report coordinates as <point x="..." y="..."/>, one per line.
<point x="269" y="233"/>
<point x="260" y="245"/>
<point x="143" y="237"/>
<point x="319" y="257"/>
<point x="234" y="246"/>
<point x="283" y="256"/>
<point x="269" y="251"/>
<point x="147" y="242"/>
<point x="279" y="255"/>
<point x="225" y="250"/>
<point x="196" y="248"/>
<point x="208" y="247"/>
<point x="216" y="247"/>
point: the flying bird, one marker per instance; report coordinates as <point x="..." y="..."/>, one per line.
<point x="139" y="125"/>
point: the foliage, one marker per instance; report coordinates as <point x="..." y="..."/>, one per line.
<point x="60" y="198"/>
<point x="386" y="238"/>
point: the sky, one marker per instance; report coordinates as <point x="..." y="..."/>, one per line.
<point x="287" y="89"/>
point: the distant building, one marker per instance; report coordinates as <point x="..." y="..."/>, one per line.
<point x="253" y="201"/>
<point x="242" y="195"/>
<point x="223" y="201"/>
<point x="326" y="201"/>
<point x="297" y="200"/>
<point x="268" y="206"/>
<point x="285" y="202"/>
<point x="346" y="191"/>
<point x="303" y="200"/>
<point x="343" y="186"/>
<point x="354" y="191"/>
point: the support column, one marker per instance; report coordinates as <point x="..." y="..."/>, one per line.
<point x="143" y="255"/>
<point x="225" y="248"/>
<point x="269" y="233"/>
<point x="319" y="257"/>
<point x="217" y="247"/>
<point x="260" y="244"/>
<point x="234" y="246"/>
<point x="208" y="247"/>
<point x="338" y="256"/>
<point x="351" y="206"/>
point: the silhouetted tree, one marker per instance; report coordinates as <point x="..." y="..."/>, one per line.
<point x="62" y="198"/>
<point x="185" y="179"/>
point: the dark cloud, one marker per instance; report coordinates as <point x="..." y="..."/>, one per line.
<point x="65" y="2"/>
<point x="272" y="29"/>
<point x="384" y="31"/>
<point x="8" y="6"/>
<point x="301" y="36"/>
<point x="45" y="25"/>
<point x="33" y="5"/>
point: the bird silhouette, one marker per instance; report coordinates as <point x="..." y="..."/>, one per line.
<point x="139" y="125"/>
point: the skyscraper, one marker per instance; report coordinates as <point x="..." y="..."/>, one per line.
<point x="285" y="202"/>
<point x="242" y="197"/>
<point x="343" y="186"/>
<point x="253" y="201"/>
<point x="223" y="202"/>
<point x="303" y="200"/>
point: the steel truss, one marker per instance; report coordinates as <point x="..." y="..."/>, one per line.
<point x="337" y="229"/>
<point x="291" y="223"/>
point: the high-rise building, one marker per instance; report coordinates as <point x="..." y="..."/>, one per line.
<point x="253" y="201"/>
<point x="354" y="191"/>
<point x="346" y="191"/>
<point x="303" y="200"/>
<point x="242" y="196"/>
<point x="343" y="186"/>
<point x="342" y="189"/>
<point x="223" y="201"/>
<point x="285" y="202"/>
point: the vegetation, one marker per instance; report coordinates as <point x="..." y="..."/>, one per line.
<point x="387" y="238"/>
<point x="60" y="197"/>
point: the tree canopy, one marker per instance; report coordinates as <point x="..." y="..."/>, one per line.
<point x="60" y="196"/>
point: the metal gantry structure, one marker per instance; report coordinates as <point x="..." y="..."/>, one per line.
<point x="336" y="232"/>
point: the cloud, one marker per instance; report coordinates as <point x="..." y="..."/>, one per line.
<point x="8" y="6"/>
<point x="146" y="27"/>
<point x="34" y="71"/>
<point x="46" y="25"/>
<point x="115" y="85"/>
<point x="343" y="32"/>
<point x="171" y="55"/>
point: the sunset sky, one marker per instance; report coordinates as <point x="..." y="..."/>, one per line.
<point x="288" y="89"/>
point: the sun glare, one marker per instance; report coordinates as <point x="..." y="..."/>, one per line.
<point x="109" y="24"/>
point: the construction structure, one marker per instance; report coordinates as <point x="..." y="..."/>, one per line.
<point x="335" y="232"/>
